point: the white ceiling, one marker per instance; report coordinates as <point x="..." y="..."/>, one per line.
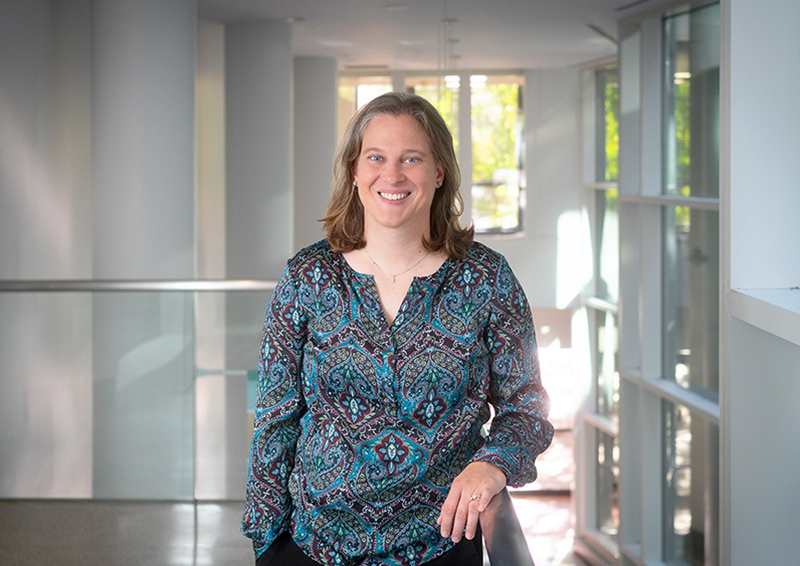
<point x="412" y="35"/>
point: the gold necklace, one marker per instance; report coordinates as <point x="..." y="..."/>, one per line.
<point x="393" y="275"/>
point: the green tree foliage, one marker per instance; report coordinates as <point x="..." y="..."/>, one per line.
<point x="683" y="157"/>
<point x="612" y="130"/>
<point x="445" y="101"/>
<point x="495" y="128"/>
<point x="496" y="144"/>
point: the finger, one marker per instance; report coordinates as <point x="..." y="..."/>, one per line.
<point x="461" y="516"/>
<point x="485" y="499"/>
<point x="448" y="511"/>
<point x="472" y="518"/>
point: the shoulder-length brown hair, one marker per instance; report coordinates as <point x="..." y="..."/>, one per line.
<point x="344" y="219"/>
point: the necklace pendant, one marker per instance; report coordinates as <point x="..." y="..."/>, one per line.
<point x="394" y="275"/>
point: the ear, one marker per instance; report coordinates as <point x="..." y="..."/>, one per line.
<point x="439" y="175"/>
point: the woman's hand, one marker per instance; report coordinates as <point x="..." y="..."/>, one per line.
<point x="470" y="494"/>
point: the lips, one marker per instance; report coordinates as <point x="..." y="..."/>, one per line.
<point x="394" y="196"/>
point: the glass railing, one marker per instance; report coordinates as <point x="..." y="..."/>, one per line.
<point x="119" y="390"/>
<point x="127" y="389"/>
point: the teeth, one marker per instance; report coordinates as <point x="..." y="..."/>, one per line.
<point x="394" y="196"/>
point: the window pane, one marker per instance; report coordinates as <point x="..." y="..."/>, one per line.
<point x="497" y="153"/>
<point x="607" y="485"/>
<point x="355" y="92"/>
<point x="496" y="207"/>
<point x="691" y="501"/>
<point x="443" y="96"/>
<point x="607" y="142"/>
<point x="691" y="299"/>
<point x="605" y="242"/>
<point x="606" y="366"/>
<point x="98" y="395"/>
<point x="691" y="102"/>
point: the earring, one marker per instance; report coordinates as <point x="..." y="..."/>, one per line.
<point x="355" y="183"/>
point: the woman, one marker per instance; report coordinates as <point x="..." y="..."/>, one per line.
<point x="384" y="346"/>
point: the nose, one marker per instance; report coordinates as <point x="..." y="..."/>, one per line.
<point x="393" y="173"/>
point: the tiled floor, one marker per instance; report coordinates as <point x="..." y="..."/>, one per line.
<point x="545" y="510"/>
<point x="121" y="534"/>
<point x="547" y="523"/>
<point x="71" y="533"/>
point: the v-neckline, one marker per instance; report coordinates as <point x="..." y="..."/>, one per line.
<point x="376" y="295"/>
<point x="373" y="286"/>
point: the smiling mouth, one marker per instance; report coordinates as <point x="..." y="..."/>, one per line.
<point x="394" y="196"/>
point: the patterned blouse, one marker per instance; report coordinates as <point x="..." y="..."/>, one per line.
<point x="361" y="426"/>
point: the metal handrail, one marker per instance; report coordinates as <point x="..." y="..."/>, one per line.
<point x="137" y="285"/>
<point x="502" y="533"/>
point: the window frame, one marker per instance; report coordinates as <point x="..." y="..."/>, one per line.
<point x="596" y="309"/>
<point x="644" y="387"/>
<point x="462" y="131"/>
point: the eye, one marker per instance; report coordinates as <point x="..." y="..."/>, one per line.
<point x="373" y="158"/>
<point x="413" y="159"/>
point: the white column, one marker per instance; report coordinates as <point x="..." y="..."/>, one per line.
<point x="258" y="126"/>
<point x="143" y="138"/>
<point x="143" y="88"/>
<point x="315" y="140"/>
<point x="211" y="418"/>
<point x="258" y="132"/>
<point x="258" y="99"/>
<point x="45" y="369"/>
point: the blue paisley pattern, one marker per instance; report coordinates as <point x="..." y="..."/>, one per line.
<point x="361" y="426"/>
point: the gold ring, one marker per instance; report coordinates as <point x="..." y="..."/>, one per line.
<point x="475" y="498"/>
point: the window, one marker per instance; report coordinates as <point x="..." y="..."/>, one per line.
<point x="691" y="506"/>
<point x="600" y="456"/>
<point x="690" y="294"/>
<point x="605" y="236"/>
<point x="497" y="181"/>
<point x="444" y="96"/>
<point x="690" y="233"/>
<point x="691" y="102"/>
<point x="691" y="298"/>
<point x="607" y="490"/>
<point x="668" y="212"/>
<point x="355" y="92"/>
<point x="607" y="130"/>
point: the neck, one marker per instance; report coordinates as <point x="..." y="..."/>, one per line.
<point x="394" y="249"/>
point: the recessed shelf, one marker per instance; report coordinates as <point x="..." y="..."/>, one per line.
<point x="776" y="311"/>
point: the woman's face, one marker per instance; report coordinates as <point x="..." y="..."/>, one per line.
<point x="397" y="175"/>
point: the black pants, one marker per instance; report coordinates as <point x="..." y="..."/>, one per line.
<point x="284" y="552"/>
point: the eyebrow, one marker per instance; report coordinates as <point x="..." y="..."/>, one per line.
<point x="419" y="151"/>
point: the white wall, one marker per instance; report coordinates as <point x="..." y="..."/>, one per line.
<point x="765" y="455"/>
<point x="764" y="144"/>
<point x="761" y="279"/>
<point x="45" y="232"/>
<point x="546" y="258"/>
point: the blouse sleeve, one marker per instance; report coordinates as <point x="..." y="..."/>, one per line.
<point x="519" y="430"/>
<point x="279" y="406"/>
